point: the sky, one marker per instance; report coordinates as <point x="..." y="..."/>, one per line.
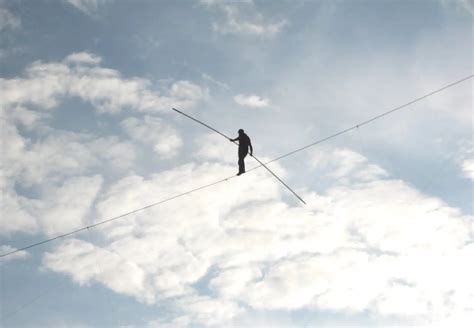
<point x="386" y="238"/>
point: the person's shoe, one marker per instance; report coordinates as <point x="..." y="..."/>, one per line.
<point x="240" y="173"/>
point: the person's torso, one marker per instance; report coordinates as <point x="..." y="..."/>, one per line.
<point x="244" y="141"/>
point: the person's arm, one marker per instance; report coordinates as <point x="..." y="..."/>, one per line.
<point x="251" y="148"/>
<point x="233" y="140"/>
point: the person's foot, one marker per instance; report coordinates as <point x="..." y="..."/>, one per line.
<point x="240" y="173"/>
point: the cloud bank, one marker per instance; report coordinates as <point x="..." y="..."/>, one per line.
<point x="62" y="171"/>
<point x="80" y="76"/>
<point x="367" y="244"/>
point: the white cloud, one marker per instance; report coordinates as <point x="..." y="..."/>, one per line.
<point x="165" y="249"/>
<point x="243" y="18"/>
<point x="165" y="140"/>
<point x="468" y="168"/>
<point x="22" y="116"/>
<point x="7" y="249"/>
<point x="212" y="147"/>
<point x="362" y="246"/>
<point x="368" y="244"/>
<point x="251" y="101"/>
<point x="83" y="58"/>
<point x="80" y="76"/>
<point x="233" y="282"/>
<point x="60" y="154"/>
<point x="464" y="157"/>
<point x="47" y="163"/>
<point x="186" y="94"/>
<point x="83" y="266"/>
<point x="57" y="156"/>
<point x="135" y="191"/>
<point x="345" y="165"/>
<point x="207" y="311"/>
<point x="88" y="7"/>
<point x="14" y="216"/>
<point x="65" y="208"/>
<point x="60" y="208"/>
<point x="8" y="20"/>
<point x="118" y="154"/>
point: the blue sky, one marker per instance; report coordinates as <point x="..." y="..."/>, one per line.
<point x="86" y="90"/>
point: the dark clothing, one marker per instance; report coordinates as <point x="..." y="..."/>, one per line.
<point x="242" y="154"/>
<point x="244" y="145"/>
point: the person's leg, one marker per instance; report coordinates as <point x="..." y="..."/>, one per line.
<point x="242" y="162"/>
<point x="241" y="165"/>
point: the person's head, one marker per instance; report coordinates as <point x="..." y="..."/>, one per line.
<point x="241" y="131"/>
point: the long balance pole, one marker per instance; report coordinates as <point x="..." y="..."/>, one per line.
<point x="209" y="127"/>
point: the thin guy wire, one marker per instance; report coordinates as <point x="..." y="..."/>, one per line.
<point x="371" y="119"/>
<point x="45" y="292"/>
<point x="115" y="217"/>
<point x="223" y="180"/>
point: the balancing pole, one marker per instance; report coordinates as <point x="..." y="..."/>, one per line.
<point x="209" y="127"/>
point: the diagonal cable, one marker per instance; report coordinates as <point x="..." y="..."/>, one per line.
<point x="228" y="178"/>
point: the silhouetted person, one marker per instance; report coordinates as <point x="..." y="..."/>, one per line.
<point x="244" y="145"/>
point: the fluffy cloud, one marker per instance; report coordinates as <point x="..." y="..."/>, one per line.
<point x="14" y="216"/>
<point x="40" y="162"/>
<point x="164" y="139"/>
<point x="80" y="76"/>
<point x="369" y="244"/>
<point x="120" y="155"/>
<point x="60" y="154"/>
<point x="42" y="182"/>
<point x="87" y="261"/>
<point x="135" y="191"/>
<point x="216" y="149"/>
<point x="172" y="248"/>
<point x="8" y="20"/>
<point x="65" y="208"/>
<point x="251" y="101"/>
<point x="203" y="310"/>
<point x="344" y="165"/>
<point x="243" y="19"/>
<point x="60" y="208"/>
<point x="53" y="168"/>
